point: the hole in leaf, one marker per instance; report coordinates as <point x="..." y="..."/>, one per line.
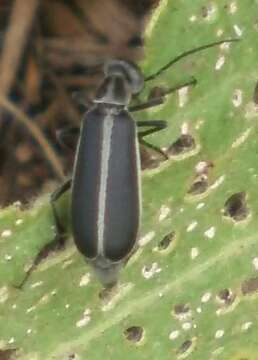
<point x="108" y="292"/>
<point x="207" y="11"/>
<point x="166" y="241"/>
<point x="199" y="186"/>
<point x="183" y="144"/>
<point x="110" y="297"/>
<point x="236" y="207"/>
<point x="181" y="308"/>
<point x="250" y="286"/>
<point x="226" y="296"/>
<point x="150" y="159"/>
<point x="134" y="334"/>
<point x="182" y="312"/>
<point x="185" y="346"/>
<point x="72" y="357"/>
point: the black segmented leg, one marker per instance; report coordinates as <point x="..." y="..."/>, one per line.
<point x="81" y="99"/>
<point x="68" y="137"/>
<point x="60" y="230"/>
<point x="156" y="125"/>
<point x="58" y="242"/>
<point x="160" y="99"/>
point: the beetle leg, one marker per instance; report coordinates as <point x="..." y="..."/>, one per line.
<point x="148" y="104"/>
<point x="68" y="137"/>
<point x="153" y="147"/>
<point x="81" y="99"/>
<point x="156" y="125"/>
<point x="160" y="99"/>
<point x="60" y="234"/>
<point x="59" y="239"/>
<point x="43" y="253"/>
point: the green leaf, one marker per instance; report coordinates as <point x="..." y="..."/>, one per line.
<point x="191" y="289"/>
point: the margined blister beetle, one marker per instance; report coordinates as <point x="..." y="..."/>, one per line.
<point x="106" y="186"/>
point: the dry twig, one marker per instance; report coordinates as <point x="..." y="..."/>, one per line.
<point x="22" y="17"/>
<point x="36" y="133"/>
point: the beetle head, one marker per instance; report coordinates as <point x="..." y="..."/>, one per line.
<point x="127" y="70"/>
<point x="122" y="80"/>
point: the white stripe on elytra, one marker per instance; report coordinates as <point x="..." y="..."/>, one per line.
<point x="138" y="169"/>
<point x="108" y="124"/>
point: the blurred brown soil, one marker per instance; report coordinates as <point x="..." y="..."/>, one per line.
<point x="50" y="49"/>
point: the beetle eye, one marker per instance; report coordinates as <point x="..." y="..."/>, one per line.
<point x="135" y="41"/>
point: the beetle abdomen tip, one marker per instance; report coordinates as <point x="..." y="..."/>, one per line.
<point x="106" y="271"/>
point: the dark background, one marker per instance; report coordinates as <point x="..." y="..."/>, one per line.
<point x="51" y="50"/>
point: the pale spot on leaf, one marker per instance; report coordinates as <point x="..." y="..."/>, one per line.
<point x="192" y="226"/>
<point x="219" y="334"/>
<point x="164" y="212"/>
<point x="210" y="233"/>
<point x="6" y="233"/>
<point x="85" y="279"/>
<point x="85" y="319"/>
<point x="146" y="238"/>
<point x="220" y="62"/>
<point x="237" y="98"/>
<point x="4" y="294"/>
<point x="246" y="325"/>
<point x="206" y="297"/>
<point x="149" y="271"/>
<point x="255" y="263"/>
<point x="174" y="335"/>
<point x="237" y="30"/>
<point x="194" y="253"/>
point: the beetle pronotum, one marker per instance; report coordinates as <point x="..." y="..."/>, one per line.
<point x="106" y="196"/>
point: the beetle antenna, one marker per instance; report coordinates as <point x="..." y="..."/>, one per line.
<point x="186" y="53"/>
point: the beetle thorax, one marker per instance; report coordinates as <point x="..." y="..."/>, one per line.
<point x="114" y="90"/>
